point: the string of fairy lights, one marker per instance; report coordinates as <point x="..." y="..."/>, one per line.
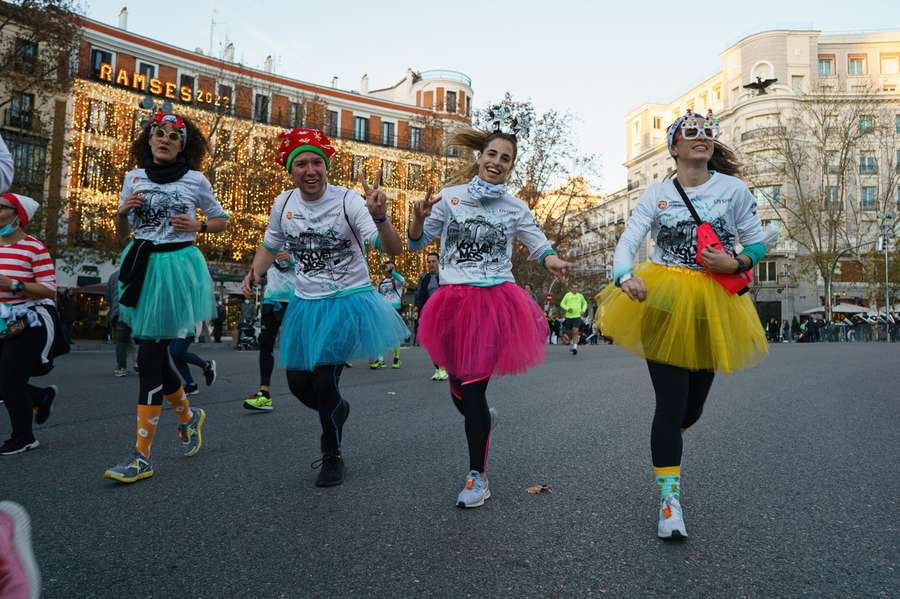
<point x="241" y="168"/>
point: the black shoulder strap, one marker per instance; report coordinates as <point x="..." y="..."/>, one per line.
<point x="349" y="224"/>
<point x="687" y="201"/>
<point x="286" y="200"/>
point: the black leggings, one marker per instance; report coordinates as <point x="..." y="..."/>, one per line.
<point x="471" y="401"/>
<point x="319" y="391"/>
<point x="270" y="322"/>
<point x="158" y="378"/>
<point x="19" y="359"/>
<point x="680" y="395"/>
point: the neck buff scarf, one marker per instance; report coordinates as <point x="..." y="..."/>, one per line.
<point x="166" y="173"/>
<point x="479" y="189"/>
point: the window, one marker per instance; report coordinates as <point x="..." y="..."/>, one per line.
<point x="657" y="122"/>
<point x="387" y="134"/>
<point x="468" y="106"/>
<point x="890" y="64"/>
<point x="636" y="129"/>
<point x="29" y="156"/>
<point x="21" y="111"/>
<point x="360" y="128"/>
<point x="856" y="65"/>
<point x="797" y="83"/>
<point x="766" y="272"/>
<point x="833" y="198"/>
<point x="452" y="151"/>
<point x="225" y="92"/>
<point x="897" y="123"/>
<point x="866" y="123"/>
<point x="450" y="101"/>
<point x="147" y="70"/>
<point x="718" y="93"/>
<point x="415" y="138"/>
<point x="99" y="57"/>
<point x="867" y="197"/>
<point x="414" y="177"/>
<point x="359" y="168"/>
<point x="186" y="81"/>
<point x="388" y="170"/>
<point x="867" y="164"/>
<point x="769" y="195"/>
<point x="295" y="114"/>
<point x="331" y="123"/>
<point x="826" y="66"/>
<point x="98" y="116"/>
<point x="26" y="56"/>
<point x="261" y="108"/>
<point x="898" y="196"/>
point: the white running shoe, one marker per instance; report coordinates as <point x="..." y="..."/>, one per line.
<point x="671" y="520"/>
<point x="475" y="491"/>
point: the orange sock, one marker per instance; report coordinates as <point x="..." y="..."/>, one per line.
<point x="147" y="420"/>
<point x="180" y="405"/>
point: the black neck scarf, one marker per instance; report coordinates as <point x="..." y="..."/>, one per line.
<point x="167" y="173"/>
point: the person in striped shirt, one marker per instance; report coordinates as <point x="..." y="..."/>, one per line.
<point x="27" y="322"/>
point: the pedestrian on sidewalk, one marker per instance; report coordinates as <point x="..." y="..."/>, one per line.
<point x="480" y="324"/>
<point x="164" y="281"/>
<point x="279" y="291"/>
<point x="428" y="285"/>
<point x="182" y="357"/>
<point x="121" y="332"/>
<point x="30" y="333"/>
<point x="670" y="310"/>
<point x="336" y="314"/>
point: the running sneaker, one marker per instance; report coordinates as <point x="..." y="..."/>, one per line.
<point x="120" y="372"/>
<point x="13" y="446"/>
<point x="671" y="520"/>
<point x="209" y="372"/>
<point x="21" y="577"/>
<point x="43" y="408"/>
<point x="331" y="470"/>
<point x="191" y="389"/>
<point x="396" y="363"/>
<point x="475" y="491"/>
<point x="573" y="351"/>
<point x="442" y="375"/>
<point x="135" y="468"/>
<point x="191" y="434"/>
<point x="376" y="364"/>
<point x="259" y="401"/>
<point x="437" y="374"/>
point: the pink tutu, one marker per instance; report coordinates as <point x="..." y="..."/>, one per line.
<point x="477" y="332"/>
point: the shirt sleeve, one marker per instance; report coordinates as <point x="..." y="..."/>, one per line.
<point x="398" y="277"/>
<point x="746" y="219"/>
<point x="434" y="225"/>
<point x="274" y="237"/>
<point x="43" y="268"/>
<point x="7" y="167"/>
<point x="529" y="232"/>
<point x="207" y="202"/>
<point x="637" y="227"/>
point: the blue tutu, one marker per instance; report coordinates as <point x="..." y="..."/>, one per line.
<point x="337" y="330"/>
<point x="177" y="294"/>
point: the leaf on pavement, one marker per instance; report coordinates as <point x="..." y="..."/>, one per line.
<point x="539" y="489"/>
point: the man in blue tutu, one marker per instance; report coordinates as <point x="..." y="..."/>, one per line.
<point x="336" y="315"/>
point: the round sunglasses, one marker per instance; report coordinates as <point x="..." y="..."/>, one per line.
<point x="161" y="132"/>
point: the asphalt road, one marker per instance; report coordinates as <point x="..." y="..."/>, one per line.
<point x="790" y="486"/>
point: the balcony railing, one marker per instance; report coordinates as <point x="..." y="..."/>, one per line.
<point x="447" y="75"/>
<point x="25" y="121"/>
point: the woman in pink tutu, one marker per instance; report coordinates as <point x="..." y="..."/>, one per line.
<point x="480" y="324"/>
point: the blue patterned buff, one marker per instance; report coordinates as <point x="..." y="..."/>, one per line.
<point x="479" y="189"/>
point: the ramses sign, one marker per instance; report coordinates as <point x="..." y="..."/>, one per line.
<point x="139" y="81"/>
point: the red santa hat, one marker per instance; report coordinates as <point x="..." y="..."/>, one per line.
<point x="25" y="207"/>
<point x="297" y="140"/>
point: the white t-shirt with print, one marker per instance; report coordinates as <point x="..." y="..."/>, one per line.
<point x="162" y="201"/>
<point x="325" y="240"/>
<point x="476" y="236"/>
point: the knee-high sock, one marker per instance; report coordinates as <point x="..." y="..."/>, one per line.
<point x="180" y="405"/>
<point x="147" y="421"/>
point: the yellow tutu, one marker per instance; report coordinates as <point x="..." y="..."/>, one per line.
<point x="687" y="320"/>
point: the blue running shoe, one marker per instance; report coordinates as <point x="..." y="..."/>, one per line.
<point x="475" y="491"/>
<point x="191" y="434"/>
<point x="135" y="468"/>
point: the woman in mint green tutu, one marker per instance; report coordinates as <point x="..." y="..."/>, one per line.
<point x="165" y="287"/>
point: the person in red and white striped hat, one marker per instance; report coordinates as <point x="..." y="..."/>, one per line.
<point x="28" y="322"/>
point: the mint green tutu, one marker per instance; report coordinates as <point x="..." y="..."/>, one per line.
<point x="177" y="294"/>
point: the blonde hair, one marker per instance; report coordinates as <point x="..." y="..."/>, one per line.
<point x="477" y="140"/>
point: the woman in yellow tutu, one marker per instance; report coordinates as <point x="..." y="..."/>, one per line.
<point x="671" y="310"/>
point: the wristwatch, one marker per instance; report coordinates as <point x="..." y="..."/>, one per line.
<point x="17" y="286"/>
<point x="742" y="267"/>
<point x="626" y="277"/>
<point x="204" y="226"/>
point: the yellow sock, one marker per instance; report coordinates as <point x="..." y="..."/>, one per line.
<point x="147" y="421"/>
<point x="180" y="405"/>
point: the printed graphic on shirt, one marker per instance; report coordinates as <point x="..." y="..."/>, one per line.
<point x="159" y="206"/>
<point x="321" y="255"/>
<point x="678" y="241"/>
<point x="475" y="243"/>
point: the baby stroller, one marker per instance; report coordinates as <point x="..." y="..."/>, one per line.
<point x="249" y="326"/>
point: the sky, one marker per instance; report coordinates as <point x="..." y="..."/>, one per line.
<point x="595" y="59"/>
